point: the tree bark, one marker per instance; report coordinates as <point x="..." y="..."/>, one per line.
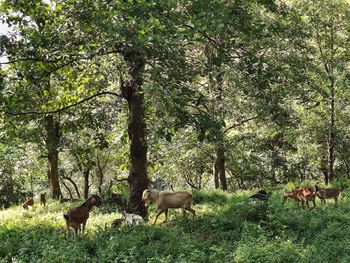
<point x="132" y="91"/>
<point x="52" y="140"/>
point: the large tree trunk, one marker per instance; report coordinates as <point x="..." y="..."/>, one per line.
<point x="132" y="91"/>
<point x="331" y="136"/>
<point x="216" y="175"/>
<point x="52" y="140"/>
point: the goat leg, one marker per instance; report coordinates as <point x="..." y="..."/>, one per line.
<point x="84" y="224"/>
<point x="166" y="216"/>
<point x="158" y="214"/>
<point x="192" y="211"/>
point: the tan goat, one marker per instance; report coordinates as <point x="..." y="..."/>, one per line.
<point x="165" y="200"/>
<point x="303" y="195"/>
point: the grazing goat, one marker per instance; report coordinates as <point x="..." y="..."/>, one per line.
<point x="43" y="199"/>
<point x="324" y="194"/>
<point x="29" y="202"/>
<point x="32" y="200"/>
<point x="79" y="215"/>
<point x="116" y="223"/>
<point x="132" y="219"/>
<point x="68" y="200"/>
<point x="261" y="195"/>
<point x="165" y="200"/>
<point x="303" y="195"/>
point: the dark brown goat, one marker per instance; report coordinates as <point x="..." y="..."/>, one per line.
<point x="29" y="202"/>
<point x="43" y="199"/>
<point x="116" y="223"/>
<point x="261" y="195"/>
<point x="68" y="200"/>
<point x="324" y="194"/>
<point x="79" y="215"/>
<point x="303" y="195"/>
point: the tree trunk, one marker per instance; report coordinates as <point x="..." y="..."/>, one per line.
<point x="74" y="185"/>
<point x="86" y="183"/>
<point x="68" y="189"/>
<point x="219" y="165"/>
<point x="331" y="136"/>
<point x="216" y="175"/>
<point x="100" y="175"/>
<point x="132" y="91"/>
<point x="52" y="140"/>
<point x="347" y="168"/>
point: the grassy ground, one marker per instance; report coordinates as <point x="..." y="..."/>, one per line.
<point x="229" y="228"/>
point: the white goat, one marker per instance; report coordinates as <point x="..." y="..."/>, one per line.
<point x="132" y="219"/>
<point x="165" y="200"/>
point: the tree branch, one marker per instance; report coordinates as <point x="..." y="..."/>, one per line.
<point x="242" y="122"/>
<point x="58" y="60"/>
<point x="61" y="109"/>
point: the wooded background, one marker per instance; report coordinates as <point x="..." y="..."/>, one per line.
<point x="102" y="96"/>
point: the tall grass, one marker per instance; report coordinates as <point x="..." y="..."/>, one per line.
<point x="229" y="228"/>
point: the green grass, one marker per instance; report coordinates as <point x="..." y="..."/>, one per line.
<point x="229" y="228"/>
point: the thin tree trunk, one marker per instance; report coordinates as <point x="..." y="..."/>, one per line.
<point x="219" y="149"/>
<point x="331" y="136"/>
<point x="52" y="140"/>
<point x="132" y="91"/>
<point x="74" y="185"/>
<point x="86" y="183"/>
<point x="219" y="166"/>
<point x="99" y="175"/>
<point x="68" y="189"/>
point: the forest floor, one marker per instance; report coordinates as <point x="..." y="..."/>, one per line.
<point x="228" y="228"/>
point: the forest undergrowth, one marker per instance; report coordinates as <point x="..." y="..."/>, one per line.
<point x="228" y="228"/>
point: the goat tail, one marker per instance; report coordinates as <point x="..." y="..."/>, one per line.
<point x="66" y="216"/>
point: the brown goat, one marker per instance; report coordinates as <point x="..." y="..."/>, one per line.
<point x="79" y="215"/>
<point x="165" y="200"/>
<point x="330" y="193"/>
<point x="29" y="202"/>
<point x="43" y="199"/>
<point x="303" y="195"/>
